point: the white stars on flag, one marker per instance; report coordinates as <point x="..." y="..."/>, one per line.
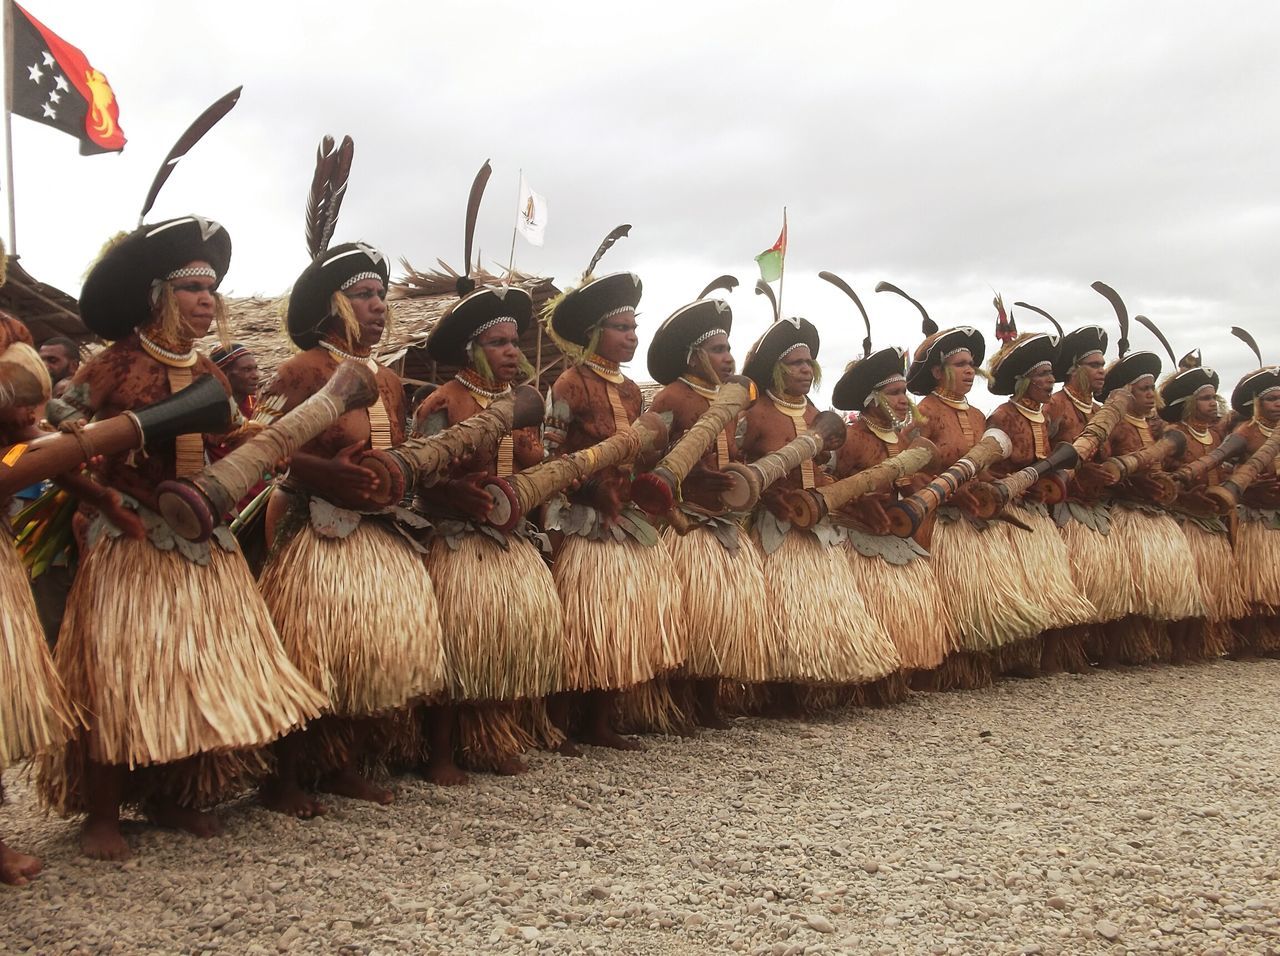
<point x="37" y="76"/>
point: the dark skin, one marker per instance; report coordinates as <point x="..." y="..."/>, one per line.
<point x="1264" y="492"/>
<point x="1070" y="421"/>
<point x="1204" y="412"/>
<point x="863" y="449"/>
<point x="942" y="424"/>
<point x="501" y="349"/>
<point x="1021" y="431"/>
<point x="1125" y="439"/>
<point x="705" y="482"/>
<point x="244" y="377"/>
<point x="60" y="364"/>
<point x="125" y="377"/>
<point x="587" y="397"/>
<point x="328" y="465"/>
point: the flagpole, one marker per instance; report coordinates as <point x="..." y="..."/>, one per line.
<point x="782" y="271"/>
<point x="8" y="125"/>
<point x="515" y="226"/>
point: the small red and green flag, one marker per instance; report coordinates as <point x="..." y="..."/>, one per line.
<point x="770" y="261"/>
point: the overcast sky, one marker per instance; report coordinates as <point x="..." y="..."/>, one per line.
<point x="950" y="148"/>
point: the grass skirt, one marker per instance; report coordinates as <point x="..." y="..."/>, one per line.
<point x="906" y="600"/>
<point x="491" y="734"/>
<point x="358" y="617"/>
<point x="1163" y="569"/>
<point x="178" y="664"/>
<point x="658" y="706"/>
<point x="622" y="618"/>
<point x="1258" y="553"/>
<point x="35" y="716"/>
<point x="1216" y="568"/>
<point x="828" y="636"/>
<point x="990" y="606"/>
<point x="501" y="619"/>
<point x="1045" y="566"/>
<point x="1101" y="571"/>
<point x="730" y="628"/>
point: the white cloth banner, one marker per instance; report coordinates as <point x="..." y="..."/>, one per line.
<point x="531" y="219"/>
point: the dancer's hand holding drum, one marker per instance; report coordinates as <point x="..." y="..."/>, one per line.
<point x="194" y="506"/>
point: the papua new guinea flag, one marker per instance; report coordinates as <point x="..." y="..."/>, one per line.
<point x="54" y="84"/>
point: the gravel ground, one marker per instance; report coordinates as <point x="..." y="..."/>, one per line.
<point x="1111" y="813"/>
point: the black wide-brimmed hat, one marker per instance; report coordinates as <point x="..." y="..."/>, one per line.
<point x="1019" y="357"/>
<point x="1181" y="387"/>
<point x="1253" y="385"/>
<point x="473" y="313"/>
<point x="685" y="328"/>
<point x="778" y="339"/>
<point x="116" y="297"/>
<point x="309" y="302"/>
<point x="933" y="350"/>
<point x="1129" y="369"/>
<point x="864" y="376"/>
<point x="1075" y="345"/>
<point x="579" y="310"/>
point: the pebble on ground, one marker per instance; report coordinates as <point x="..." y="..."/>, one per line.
<point x="1116" y="812"/>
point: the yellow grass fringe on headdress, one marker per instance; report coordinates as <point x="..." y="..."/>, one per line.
<point x="1163" y="569"/>
<point x="35" y="715"/>
<point x="622" y="613"/>
<point x="828" y="636"/>
<point x="191" y="666"/>
<point x="732" y="632"/>
<point x="906" y="600"/>
<point x="990" y="606"/>
<point x="358" y="617"/>
<point x="501" y="619"/>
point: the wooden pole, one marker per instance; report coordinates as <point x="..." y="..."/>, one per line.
<point x="8" y="125"/>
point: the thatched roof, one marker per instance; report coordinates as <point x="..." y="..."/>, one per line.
<point x="418" y="301"/>
<point x="46" y="310"/>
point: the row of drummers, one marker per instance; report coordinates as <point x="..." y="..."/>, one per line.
<point x="731" y="545"/>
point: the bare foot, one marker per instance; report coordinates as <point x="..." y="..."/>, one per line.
<point x="511" y="767"/>
<point x="568" y="748"/>
<point x="100" y="839"/>
<point x="713" y="721"/>
<point x="348" y="783"/>
<point x="443" y="773"/>
<point x="201" y="823"/>
<point x="291" y="800"/>
<point x="17" y="869"/>
<point x="604" y="737"/>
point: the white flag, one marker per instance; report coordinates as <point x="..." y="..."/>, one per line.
<point x="531" y="219"/>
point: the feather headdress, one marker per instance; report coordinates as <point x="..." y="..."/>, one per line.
<point x="844" y="287"/>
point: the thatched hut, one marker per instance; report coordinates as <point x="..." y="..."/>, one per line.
<point x="47" y="311"/>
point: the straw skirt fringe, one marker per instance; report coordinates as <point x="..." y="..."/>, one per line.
<point x="1164" y="572"/>
<point x="1045" y="567"/>
<point x="730" y="629"/>
<point x="1258" y="553"/>
<point x="1101" y="570"/>
<point x="491" y="734"/>
<point x="1218" y="572"/>
<point x="906" y="600"/>
<point x="358" y="617"/>
<point x="35" y="716"/>
<point x="501" y="618"/>
<point x="827" y="633"/>
<point x="655" y="707"/>
<point x="172" y="659"/>
<point x="622" y="612"/>
<point x="990" y="606"/>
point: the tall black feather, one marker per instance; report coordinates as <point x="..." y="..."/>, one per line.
<point x="1040" y="312"/>
<point x="1248" y="340"/>
<point x="927" y="325"/>
<point x="1151" y="327"/>
<point x="844" y="287"/>
<point x="763" y="288"/>
<point x="726" y="282"/>
<point x="617" y="233"/>
<point x="328" y="186"/>
<point x="465" y="282"/>
<point x="1122" y="313"/>
<point x="204" y="122"/>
